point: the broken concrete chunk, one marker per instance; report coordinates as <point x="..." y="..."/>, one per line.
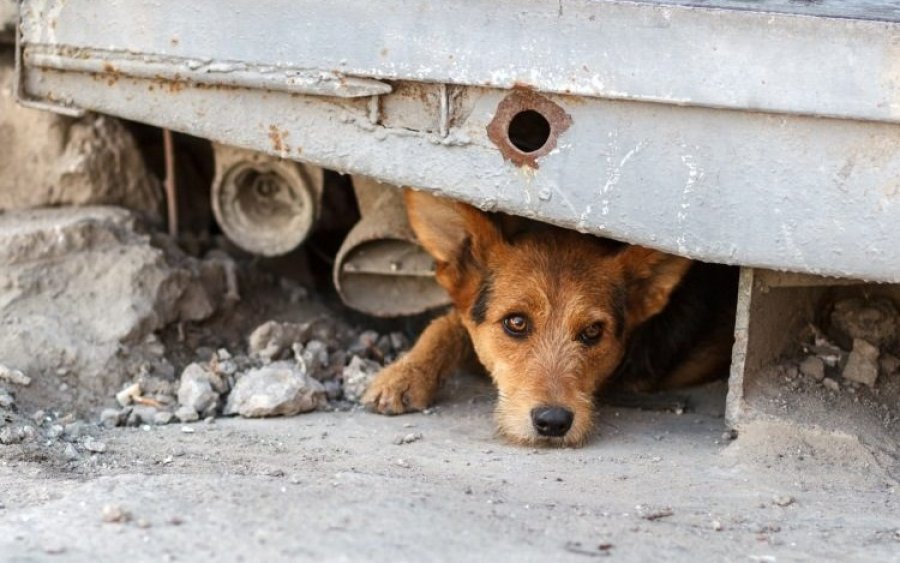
<point x="813" y="367"/>
<point x="862" y="364"/>
<point x="278" y="389"/>
<point x="198" y="389"/>
<point x="270" y="340"/>
<point x="187" y="414"/>
<point x="872" y="320"/>
<point x="13" y="376"/>
<point x="358" y="374"/>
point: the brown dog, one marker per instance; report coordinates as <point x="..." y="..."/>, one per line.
<point x="554" y="316"/>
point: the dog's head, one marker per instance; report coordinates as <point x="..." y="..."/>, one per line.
<point x="549" y="311"/>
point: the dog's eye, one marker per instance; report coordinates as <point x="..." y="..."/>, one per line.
<point x="592" y="334"/>
<point x="516" y="325"/>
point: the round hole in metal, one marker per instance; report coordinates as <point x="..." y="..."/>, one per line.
<point x="528" y="131"/>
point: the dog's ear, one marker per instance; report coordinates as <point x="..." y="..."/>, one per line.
<point x="650" y="278"/>
<point x="453" y="232"/>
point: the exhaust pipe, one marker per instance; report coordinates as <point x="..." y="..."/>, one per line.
<point x="264" y="205"/>
<point x="381" y="269"/>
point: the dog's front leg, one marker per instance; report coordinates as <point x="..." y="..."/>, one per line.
<point x="411" y="383"/>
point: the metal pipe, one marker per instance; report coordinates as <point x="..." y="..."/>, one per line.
<point x="264" y="204"/>
<point x="381" y="269"/>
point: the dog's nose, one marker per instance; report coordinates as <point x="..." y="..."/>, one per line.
<point x="551" y="421"/>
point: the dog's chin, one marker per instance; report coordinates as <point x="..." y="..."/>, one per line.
<point x="523" y="434"/>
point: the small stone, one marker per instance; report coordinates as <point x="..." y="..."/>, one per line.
<point x="862" y="364"/>
<point x="357" y="376"/>
<point x="142" y="414"/>
<point x="889" y="364"/>
<point x="94" y="446"/>
<point x="278" y="389"/>
<point x="403" y="463"/>
<point x="114" y="514"/>
<point x="316" y="359"/>
<point x="717" y="526"/>
<point x="408" y="439"/>
<point x="126" y="396"/>
<point x="6" y="399"/>
<point x="872" y="320"/>
<point x="196" y="389"/>
<point x="729" y="435"/>
<point x="74" y="430"/>
<point x="654" y="513"/>
<point x="71" y="452"/>
<point x="813" y="367"/>
<point x="187" y="414"/>
<point x="831" y="384"/>
<point x="187" y="430"/>
<point x="162" y="418"/>
<point x="143" y="523"/>
<point x="110" y="418"/>
<point x="270" y="340"/>
<point x="14" y="376"/>
<point x="783" y="500"/>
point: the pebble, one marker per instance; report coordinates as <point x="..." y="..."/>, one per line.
<point x="14" y="376"/>
<point x="357" y="376"/>
<point x="114" y="514"/>
<point x="813" y="367"/>
<point x="162" y="418"/>
<point x="94" y="446"/>
<point x="186" y="414"/>
<point x="110" y="418"/>
<point x="862" y="364"/>
<point x="196" y="389"/>
<point x="71" y="452"/>
<point x="831" y="384"/>
<point x="783" y="500"/>
<point x="187" y="430"/>
<point x="280" y="388"/>
<point x="408" y="439"/>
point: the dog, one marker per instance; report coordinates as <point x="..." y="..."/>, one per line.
<point x="555" y="317"/>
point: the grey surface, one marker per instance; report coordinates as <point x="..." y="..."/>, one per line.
<point x="336" y="487"/>
<point x="775" y="190"/>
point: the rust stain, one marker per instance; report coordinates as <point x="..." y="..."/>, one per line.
<point x="279" y="139"/>
<point x="522" y="100"/>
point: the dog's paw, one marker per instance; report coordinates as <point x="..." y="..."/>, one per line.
<point x="400" y="388"/>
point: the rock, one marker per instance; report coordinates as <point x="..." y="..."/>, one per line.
<point x="365" y="344"/>
<point x="889" y="364"/>
<point x="187" y="414"/>
<point x="813" y="367"/>
<point x="94" y="446"/>
<point x="16" y="434"/>
<point x="408" y="439"/>
<point x="7" y="401"/>
<point x="831" y="384"/>
<point x="271" y="339"/>
<point x="163" y="417"/>
<point x="49" y="160"/>
<point x="118" y="289"/>
<point x="114" y="514"/>
<point x="862" y="364"/>
<point x="110" y="418"/>
<point x="71" y="452"/>
<point x="782" y="500"/>
<point x="873" y="320"/>
<point x="198" y="389"/>
<point x="142" y="414"/>
<point x="316" y="359"/>
<point x="280" y="388"/>
<point x="357" y="376"/>
<point x="13" y="376"/>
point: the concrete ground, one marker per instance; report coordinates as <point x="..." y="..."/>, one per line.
<point x="337" y="486"/>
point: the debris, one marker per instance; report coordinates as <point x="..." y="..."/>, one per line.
<point x="889" y="364"/>
<point x="783" y="500"/>
<point x="94" y="446"/>
<point x="357" y="376"/>
<point x="187" y="414"/>
<point x="862" y="364"/>
<point x="717" y="526"/>
<point x="873" y="320"/>
<point x="813" y="367"/>
<point x="408" y="439"/>
<point x="197" y="391"/>
<point x="654" y="513"/>
<point x="578" y="548"/>
<point x="13" y="376"/>
<point x="126" y="396"/>
<point x="281" y="388"/>
<point x="271" y="339"/>
<point x="114" y="514"/>
<point x="831" y="384"/>
<point x="187" y="430"/>
<point x="162" y="418"/>
<point x="16" y="434"/>
<point x="729" y="435"/>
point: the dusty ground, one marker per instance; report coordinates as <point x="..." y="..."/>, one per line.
<point x="337" y="486"/>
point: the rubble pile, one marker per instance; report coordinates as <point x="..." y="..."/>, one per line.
<point x="859" y="347"/>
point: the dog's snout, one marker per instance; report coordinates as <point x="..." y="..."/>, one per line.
<point x="552" y="421"/>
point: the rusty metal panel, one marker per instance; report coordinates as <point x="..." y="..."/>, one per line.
<point x="653" y="143"/>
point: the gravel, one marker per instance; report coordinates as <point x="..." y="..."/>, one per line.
<point x="279" y="389"/>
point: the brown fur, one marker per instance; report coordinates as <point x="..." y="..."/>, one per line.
<point x="562" y="282"/>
